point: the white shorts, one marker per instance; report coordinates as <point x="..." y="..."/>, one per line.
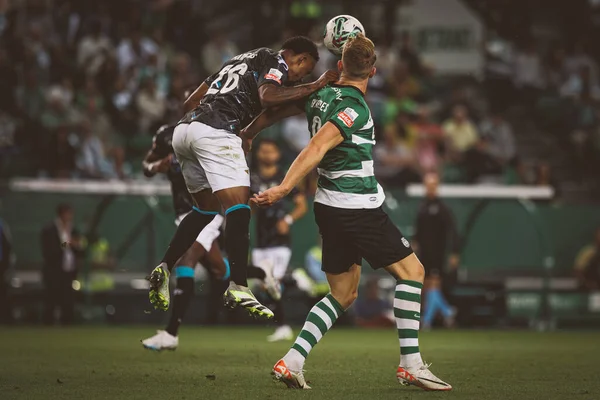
<point x="210" y="158"/>
<point x="278" y="257"/>
<point x="209" y="234"/>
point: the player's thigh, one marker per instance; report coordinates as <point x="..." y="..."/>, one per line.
<point x="193" y="173"/>
<point x="192" y="255"/>
<point x="344" y="286"/>
<point x="205" y="200"/>
<point x="339" y="253"/>
<point x="221" y="155"/>
<point x="379" y="240"/>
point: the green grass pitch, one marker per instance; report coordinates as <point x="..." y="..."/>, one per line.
<point x="234" y="363"/>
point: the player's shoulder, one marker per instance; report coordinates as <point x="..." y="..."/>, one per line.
<point x="164" y="134"/>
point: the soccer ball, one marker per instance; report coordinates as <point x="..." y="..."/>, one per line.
<point x="338" y="30"/>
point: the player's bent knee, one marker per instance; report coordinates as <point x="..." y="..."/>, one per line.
<point x="409" y="268"/>
<point x="346" y="297"/>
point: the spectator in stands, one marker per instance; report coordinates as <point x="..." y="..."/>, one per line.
<point x="7" y="258"/>
<point x="93" y="50"/>
<point x="151" y="106"/>
<point x="409" y="55"/>
<point x="528" y="73"/>
<point x="30" y="96"/>
<point x="498" y="138"/>
<point x="135" y="50"/>
<point x="579" y="59"/>
<point x="581" y="83"/>
<point x="371" y="310"/>
<point x="61" y="244"/>
<point x="217" y="51"/>
<point x="543" y="177"/>
<point x="61" y="154"/>
<point x="394" y="161"/>
<point x="435" y="235"/>
<point x="8" y="144"/>
<point x="429" y="141"/>
<point x="460" y="131"/>
<point x="89" y="98"/>
<point x="57" y="113"/>
<point x="93" y="161"/>
<point x="587" y="264"/>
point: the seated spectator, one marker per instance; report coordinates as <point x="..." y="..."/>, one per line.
<point x="528" y="72"/>
<point x="580" y="83"/>
<point x="409" y="55"/>
<point x="30" y="96"/>
<point x="61" y="154"/>
<point x="587" y="264"/>
<point x="394" y="161"/>
<point x="93" y="50"/>
<point x="57" y="113"/>
<point x="497" y="134"/>
<point x="8" y="148"/>
<point x="92" y="160"/>
<point x="150" y="105"/>
<point x="181" y="67"/>
<point x="429" y="141"/>
<point x="135" y="50"/>
<point x="90" y="97"/>
<point x="123" y="112"/>
<point x="371" y="310"/>
<point x="460" y="131"/>
<point x="543" y="177"/>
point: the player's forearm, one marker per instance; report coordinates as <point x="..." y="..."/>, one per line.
<point x="269" y="117"/>
<point x="192" y="102"/>
<point x="307" y="160"/>
<point x="271" y="95"/>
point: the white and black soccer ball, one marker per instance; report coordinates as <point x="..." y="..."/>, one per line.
<point x="338" y="30"/>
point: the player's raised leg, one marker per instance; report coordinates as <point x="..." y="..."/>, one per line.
<point x="237" y="246"/>
<point x="409" y="274"/>
<point x="344" y="290"/>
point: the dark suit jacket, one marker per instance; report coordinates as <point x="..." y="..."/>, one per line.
<point x="52" y="254"/>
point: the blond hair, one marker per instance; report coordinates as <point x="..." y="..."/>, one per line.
<point x="358" y="57"/>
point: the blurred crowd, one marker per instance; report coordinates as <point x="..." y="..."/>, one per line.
<point x="86" y="84"/>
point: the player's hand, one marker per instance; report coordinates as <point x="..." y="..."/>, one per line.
<point x="269" y="196"/>
<point x="282" y="227"/>
<point x="162" y="166"/>
<point x="328" y="76"/>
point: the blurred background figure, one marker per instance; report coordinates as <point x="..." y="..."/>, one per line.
<point x="60" y="265"/>
<point x="370" y="309"/>
<point x="7" y="258"/>
<point x="587" y="264"/>
<point x="435" y="237"/>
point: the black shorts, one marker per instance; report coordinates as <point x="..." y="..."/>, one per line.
<point x="351" y="235"/>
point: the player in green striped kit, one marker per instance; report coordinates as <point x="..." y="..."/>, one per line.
<point x="350" y="218"/>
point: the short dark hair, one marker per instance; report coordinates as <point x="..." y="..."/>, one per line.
<point x="301" y="44"/>
<point x="268" y="141"/>
<point x="63" y="208"/>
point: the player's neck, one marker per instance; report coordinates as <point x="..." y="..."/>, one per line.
<point x="360" y="84"/>
<point x="267" y="171"/>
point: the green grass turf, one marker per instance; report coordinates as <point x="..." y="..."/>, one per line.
<point x="109" y="363"/>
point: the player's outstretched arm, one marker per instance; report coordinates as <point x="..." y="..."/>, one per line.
<point x="272" y="95"/>
<point x="269" y="117"/>
<point x="194" y="99"/>
<point x="326" y="139"/>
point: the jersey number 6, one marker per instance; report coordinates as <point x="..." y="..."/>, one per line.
<point x="233" y="77"/>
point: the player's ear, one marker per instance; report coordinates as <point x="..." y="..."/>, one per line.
<point x="340" y="66"/>
<point x="372" y="73"/>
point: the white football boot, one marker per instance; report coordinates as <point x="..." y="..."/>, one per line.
<point x="283" y="332"/>
<point x="163" y="340"/>
<point x="292" y="379"/>
<point x="421" y="377"/>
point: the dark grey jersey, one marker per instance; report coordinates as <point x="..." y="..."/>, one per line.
<point x="232" y="100"/>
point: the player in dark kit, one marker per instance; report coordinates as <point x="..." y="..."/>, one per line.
<point x="210" y="153"/>
<point x="273" y="242"/>
<point x="160" y="159"/>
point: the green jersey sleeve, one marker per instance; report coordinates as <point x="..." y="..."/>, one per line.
<point x="349" y="116"/>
